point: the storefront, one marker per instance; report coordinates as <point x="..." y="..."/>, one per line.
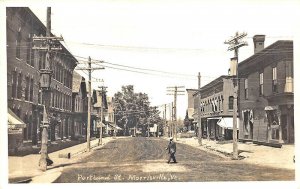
<point x="280" y="121"/>
<point x="15" y="131"/>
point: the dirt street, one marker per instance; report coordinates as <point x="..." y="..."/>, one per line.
<point x="145" y="160"/>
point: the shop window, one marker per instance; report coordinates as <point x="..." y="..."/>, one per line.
<point x="273" y="122"/>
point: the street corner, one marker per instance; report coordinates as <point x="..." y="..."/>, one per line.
<point x="47" y="177"/>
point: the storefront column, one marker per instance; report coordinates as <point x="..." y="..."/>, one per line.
<point x="207" y="126"/>
<point x="288" y="127"/>
<point x="62" y="128"/>
<point x="278" y="113"/>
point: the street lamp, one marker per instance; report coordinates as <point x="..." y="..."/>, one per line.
<point x="45" y="82"/>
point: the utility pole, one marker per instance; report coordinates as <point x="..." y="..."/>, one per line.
<point x="115" y="128"/>
<point x="172" y="119"/>
<point x="174" y="91"/>
<point x="103" y="91"/>
<point x="235" y="43"/>
<point x="165" y="119"/>
<point x="52" y="43"/>
<point x="199" y="111"/>
<point x="115" y="118"/>
<point x="89" y="69"/>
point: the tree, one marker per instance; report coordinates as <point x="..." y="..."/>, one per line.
<point x="134" y="110"/>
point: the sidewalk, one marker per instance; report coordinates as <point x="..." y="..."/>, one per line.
<point x="250" y="153"/>
<point x="26" y="167"/>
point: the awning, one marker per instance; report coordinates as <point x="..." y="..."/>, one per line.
<point x="227" y="123"/>
<point x="214" y="118"/>
<point x="271" y="108"/>
<point x="14" y="121"/>
<point x="115" y="126"/>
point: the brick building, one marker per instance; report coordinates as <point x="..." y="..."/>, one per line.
<point x="23" y="64"/>
<point x="266" y="93"/>
<point x="216" y="108"/>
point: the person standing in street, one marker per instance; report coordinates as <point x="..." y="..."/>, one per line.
<point x="172" y="150"/>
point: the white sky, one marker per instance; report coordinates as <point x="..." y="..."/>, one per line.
<point x="186" y="24"/>
<point x="194" y="30"/>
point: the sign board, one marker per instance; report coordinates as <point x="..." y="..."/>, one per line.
<point x="15" y="131"/>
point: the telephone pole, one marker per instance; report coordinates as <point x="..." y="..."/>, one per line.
<point x="103" y="92"/>
<point x="174" y="91"/>
<point x="199" y="111"/>
<point x="171" y="120"/>
<point x="165" y="119"/>
<point x="89" y="69"/>
<point x="234" y="44"/>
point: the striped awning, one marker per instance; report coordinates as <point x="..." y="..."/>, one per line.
<point x="14" y="121"/>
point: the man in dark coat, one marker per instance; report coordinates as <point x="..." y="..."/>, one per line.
<point x="172" y="150"/>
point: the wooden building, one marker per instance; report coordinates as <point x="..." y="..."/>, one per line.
<point x="80" y="106"/>
<point x="191" y="114"/>
<point x="216" y="108"/>
<point x="266" y="93"/>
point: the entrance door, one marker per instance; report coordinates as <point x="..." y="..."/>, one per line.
<point x="284" y="128"/>
<point x="291" y="130"/>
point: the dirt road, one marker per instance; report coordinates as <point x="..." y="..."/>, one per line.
<point x="144" y="160"/>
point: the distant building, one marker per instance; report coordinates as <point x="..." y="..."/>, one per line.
<point x="266" y="93"/>
<point x="216" y="108"/>
<point x="23" y="93"/>
<point x="79" y="108"/>
<point x="100" y="101"/>
<point x="191" y="116"/>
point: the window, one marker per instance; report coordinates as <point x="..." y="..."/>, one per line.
<point x="42" y="60"/>
<point x="31" y="90"/>
<point x="14" y="84"/>
<point x="230" y="104"/>
<point x="246" y="89"/>
<point x="40" y="97"/>
<point x="261" y="83"/>
<point x="27" y="89"/>
<point x="274" y="80"/>
<point x="19" y="88"/>
<point x="18" y="45"/>
<point x="29" y="51"/>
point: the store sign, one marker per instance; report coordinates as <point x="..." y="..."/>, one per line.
<point x="15" y="131"/>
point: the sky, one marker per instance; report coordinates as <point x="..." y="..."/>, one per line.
<point x="177" y="38"/>
<point x="181" y="37"/>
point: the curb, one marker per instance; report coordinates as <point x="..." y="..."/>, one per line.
<point x="50" y="176"/>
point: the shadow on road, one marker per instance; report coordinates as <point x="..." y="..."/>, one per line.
<point x="63" y="165"/>
<point x="105" y="148"/>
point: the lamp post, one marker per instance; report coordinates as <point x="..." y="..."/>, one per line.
<point x="45" y="81"/>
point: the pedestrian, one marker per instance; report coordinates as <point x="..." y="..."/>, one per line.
<point x="172" y="150"/>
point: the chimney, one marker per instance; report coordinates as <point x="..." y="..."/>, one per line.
<point x="259" y="43"/>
